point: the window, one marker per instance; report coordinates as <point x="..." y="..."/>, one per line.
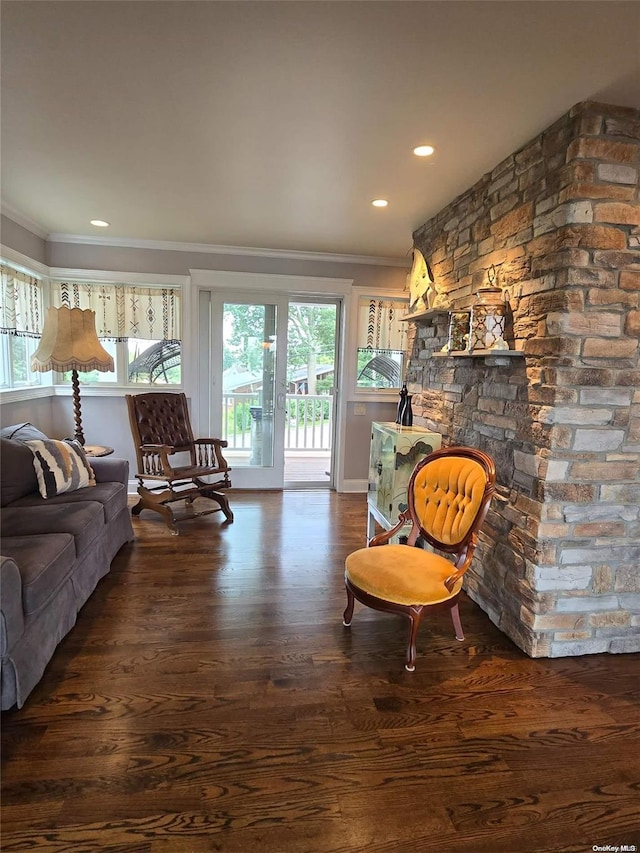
<point x="96" y="377"/>
<point x="21" y="317"/>
<point x="154" y="362"/>
<point x="381" y="341"/>
<point x="138" y="325"/>
<point x="20" y="350"/>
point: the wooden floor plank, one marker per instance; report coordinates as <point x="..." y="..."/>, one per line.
<point x="209" y="698"/>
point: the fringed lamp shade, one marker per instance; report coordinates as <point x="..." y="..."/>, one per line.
<point x="69" y="342"/>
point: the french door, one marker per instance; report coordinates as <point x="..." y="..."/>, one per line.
<point x="277" y="413"/>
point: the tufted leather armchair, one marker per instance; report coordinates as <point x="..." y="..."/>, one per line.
<point x="161" y="428"/>
<point x="448" y="496"/>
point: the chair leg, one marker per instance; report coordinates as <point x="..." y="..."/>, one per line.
<point x="415" y="616"/>
<point x="220" y="499"/>
<point x="348" y="613"/>
<point x="457" y="624"/>
<point x="167" y="513"/>
<point x="152" y="501"/>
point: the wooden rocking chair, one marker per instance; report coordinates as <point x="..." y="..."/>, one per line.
<point x="161" y="427"/>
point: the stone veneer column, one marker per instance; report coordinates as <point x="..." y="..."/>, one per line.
<point x="558" y="568"/>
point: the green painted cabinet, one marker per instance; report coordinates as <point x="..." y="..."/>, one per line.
<point x="395" y="451"/>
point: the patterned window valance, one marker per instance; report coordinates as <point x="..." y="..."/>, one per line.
<point x="20" y="303"/>
<point x="379" y="324"/>
<point x="125" y="310"/>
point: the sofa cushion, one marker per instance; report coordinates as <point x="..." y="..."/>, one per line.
<point x="18" y="474"/>
<point x="112" y="496"/>
<point x="83" y="520"/>
<point x="22" y="432"/>
<point x="44" y="562"/>
<point x="60" y="466"/>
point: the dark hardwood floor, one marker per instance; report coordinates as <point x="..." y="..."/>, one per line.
<point x="209" y="698"/>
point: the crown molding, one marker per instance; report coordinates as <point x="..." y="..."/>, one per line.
<point x="276" y="282"/>
<point x="20" y="219"/>
<point x="23" y="262"/>
<point x="115" y="277"/>
<point x="211" y="249"/>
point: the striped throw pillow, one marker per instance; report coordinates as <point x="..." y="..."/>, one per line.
<point x="60" y="466"/>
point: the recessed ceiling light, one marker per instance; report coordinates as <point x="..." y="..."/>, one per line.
<point x="100" y="223"/>
<point x="424" y="150"/>
<point x="379" y="202"/>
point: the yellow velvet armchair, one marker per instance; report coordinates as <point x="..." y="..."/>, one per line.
<point x="448" y="498"/>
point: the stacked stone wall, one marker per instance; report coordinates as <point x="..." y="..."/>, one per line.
<point x="558" y="568"/>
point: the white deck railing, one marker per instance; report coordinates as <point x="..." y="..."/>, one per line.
<point x="308" y="424"/>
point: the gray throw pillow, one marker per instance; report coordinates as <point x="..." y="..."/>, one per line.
<point x="18" y="474"/>
<point x="22" y="432"/>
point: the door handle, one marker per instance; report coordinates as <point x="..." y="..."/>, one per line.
<point x="280" y="401"/>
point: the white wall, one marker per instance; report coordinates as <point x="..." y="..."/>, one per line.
<point x="37" y="411"/>
<point x="358" y="439"/>
<point x="22" y="240"/>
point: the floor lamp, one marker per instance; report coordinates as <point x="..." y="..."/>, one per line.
<point x="70" y="342"/>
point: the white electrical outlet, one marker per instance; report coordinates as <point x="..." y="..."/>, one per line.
<point x="360" y="409"/>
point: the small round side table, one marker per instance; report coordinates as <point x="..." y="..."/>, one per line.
<point x="97" y="450"/>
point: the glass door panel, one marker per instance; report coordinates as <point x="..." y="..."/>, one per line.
<point x="311" y="390"/>
<point x="246" y="343"/>
<point x="267" y="385"/>
<point x="249" y="383"/>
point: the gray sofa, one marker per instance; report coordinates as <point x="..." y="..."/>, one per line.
<point x="54" y="552"/>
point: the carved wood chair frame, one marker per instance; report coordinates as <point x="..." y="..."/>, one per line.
<point x="461" y="551"/>
<point x="161" y="427"/>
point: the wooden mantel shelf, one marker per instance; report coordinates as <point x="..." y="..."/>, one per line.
<point x="431" y="314"/>
<point x="492" y="357"/>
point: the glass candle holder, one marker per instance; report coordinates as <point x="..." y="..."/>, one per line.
<point x="458" y="331"/>
<point x="488" y="319"/>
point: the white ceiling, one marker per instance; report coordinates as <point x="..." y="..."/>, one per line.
<point x="274" y="124"/>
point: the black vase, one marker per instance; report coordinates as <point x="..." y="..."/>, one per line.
<point x="404" y="416"/>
